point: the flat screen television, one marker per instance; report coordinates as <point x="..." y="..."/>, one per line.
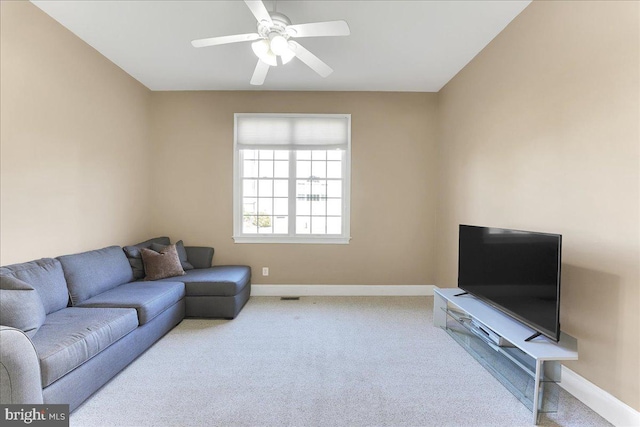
<point x="517" y="272"/>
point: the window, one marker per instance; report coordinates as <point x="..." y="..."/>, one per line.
<point x="291" y="178"/>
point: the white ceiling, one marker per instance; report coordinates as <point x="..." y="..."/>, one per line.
<point x="415" y="46"/>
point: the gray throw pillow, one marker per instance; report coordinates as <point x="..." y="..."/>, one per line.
<point x="182" y="253"/>
<point x="135" y="258"/>
<point x="161" y="265"/>
<point x="20" y="305"/>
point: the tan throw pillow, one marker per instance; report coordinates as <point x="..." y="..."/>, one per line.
<point x="163" y="264"/>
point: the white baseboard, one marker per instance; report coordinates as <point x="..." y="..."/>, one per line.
<point x="340" y="290"/>
<point x="608" y="407"/>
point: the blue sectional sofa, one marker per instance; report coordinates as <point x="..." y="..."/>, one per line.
<point x="95" y="317"/>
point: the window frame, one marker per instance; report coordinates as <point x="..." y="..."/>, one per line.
<point x="240" y="237"/>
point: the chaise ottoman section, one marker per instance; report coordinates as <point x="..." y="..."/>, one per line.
<point x="148" y="298"/>
<point x="71" y="336"/>
<point x="216" y="292"/>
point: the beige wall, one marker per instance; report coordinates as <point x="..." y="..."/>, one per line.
<point x="393" y="191"/>
<point x="540" y="132"/>
<point x="74" y="142"/>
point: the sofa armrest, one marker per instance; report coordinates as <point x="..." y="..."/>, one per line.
<point x="20" y="380"/>
<point x="199" y="256"/>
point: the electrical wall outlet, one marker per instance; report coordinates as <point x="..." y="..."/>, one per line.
<point x="265" y="271"/>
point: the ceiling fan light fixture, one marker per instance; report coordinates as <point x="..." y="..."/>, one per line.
<point x="279" y="44"/>
<point x="263" y="51"/>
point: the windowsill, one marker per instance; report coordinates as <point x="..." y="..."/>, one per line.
<point x="301" y="240"/>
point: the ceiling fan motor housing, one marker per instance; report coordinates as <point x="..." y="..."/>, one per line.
<point x="279" y="25"/>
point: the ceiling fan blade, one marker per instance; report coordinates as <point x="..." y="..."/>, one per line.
<point x="310" y="59"/>
<point x="214" y="41"/>
<point x="259" y="10"/>
<point x="319" y="29"/>
<point x="260" y="73"/>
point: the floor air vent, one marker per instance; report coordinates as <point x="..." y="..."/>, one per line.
<point x="289" y="298"/>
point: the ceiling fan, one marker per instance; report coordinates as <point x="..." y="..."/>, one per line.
<point x="274" y="42"/>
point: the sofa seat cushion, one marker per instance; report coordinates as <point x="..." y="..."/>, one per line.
<point x="71" y="336"/>
<point x="224" y="280"/>
<point x="148" y="298"/>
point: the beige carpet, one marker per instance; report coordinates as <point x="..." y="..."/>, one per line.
<point x="347" y="361"/>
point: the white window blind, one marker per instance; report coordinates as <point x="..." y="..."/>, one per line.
<point x="291" y="132"/>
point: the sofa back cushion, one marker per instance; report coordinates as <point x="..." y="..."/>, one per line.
<point x="135" y="257"/>
<point x="20" y="305"/>
<point x="46" y="277"/>
<point x="91" y="273"/>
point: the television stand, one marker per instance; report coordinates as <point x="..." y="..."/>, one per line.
<point x="528" y="369"/>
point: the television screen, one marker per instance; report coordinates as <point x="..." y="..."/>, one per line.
<point x="515" y="271"/>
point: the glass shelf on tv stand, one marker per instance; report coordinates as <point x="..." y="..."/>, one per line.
<point x="518" y="365"/>
<point x="509" y="365"/>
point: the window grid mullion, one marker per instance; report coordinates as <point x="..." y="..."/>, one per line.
<point x="292" y="193"/>
<point x="273" y="189"/>
<point x="326" y="173"/>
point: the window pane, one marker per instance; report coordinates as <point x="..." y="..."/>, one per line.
<point x="266" y="154"/>
<point x="265" y="187"/>
<point x="334" y="225"/>
<point x="250" y="169"/>
<point x="318" y="225"/>
<point x="303" y="225"/>
<point x="281" y="224"/>
<point x="281" y="206"/>
<point x="250" y="188"/>
<point x="249" y="154"/>
<point x="334" y="207"/>
<point x="319" y="169"/>
<point x="280" y="188"/>
<point x="319" y="189"/>
<point x="249" y="205"/>
<point x="303" y="155"/>
<point x="303" y="207"/>
<point x="265" y="206"/>
<point x="334" y="169"/>
<point x="266" y="168"/>
<point x="264" y="224"/>
<point x="318" y="207"/>
<point x="334" y="155"/>
<point x="281" y="169"/>
<point x="249" y="224"/>
<point x="303" y="169"/>
<point x="319" y="155"/>
<point x="334" y="188"/>
<point x="303" y="189"/>
<point x="281" y="154"/>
